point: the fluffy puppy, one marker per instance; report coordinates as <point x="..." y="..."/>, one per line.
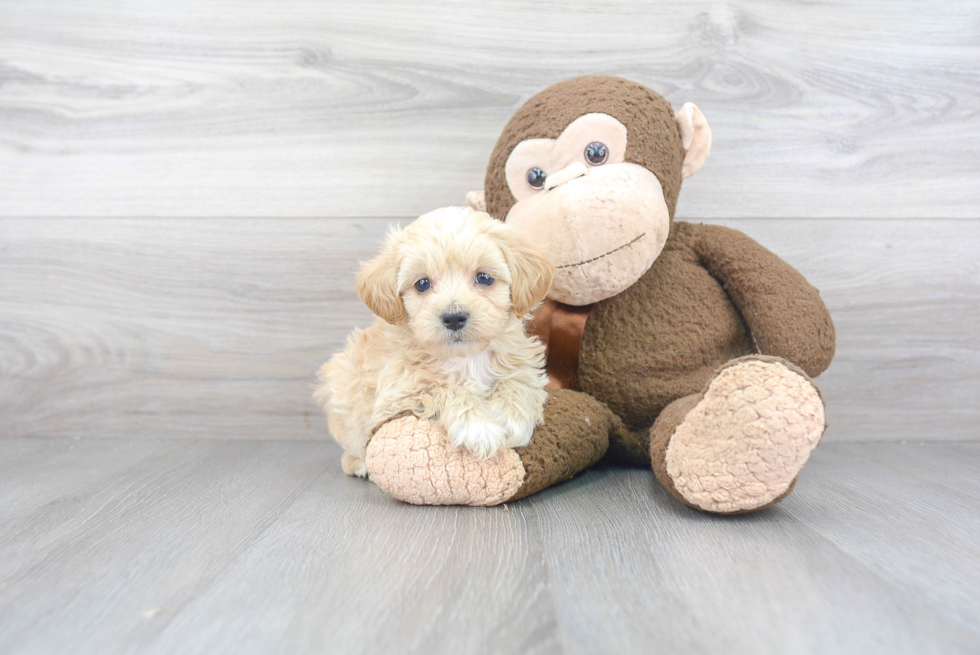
<point x="452" y="292"/>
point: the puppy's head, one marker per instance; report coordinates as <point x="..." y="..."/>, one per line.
<point x="455" y="277"/>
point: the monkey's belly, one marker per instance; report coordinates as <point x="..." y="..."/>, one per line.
<point x="661" y="339"/>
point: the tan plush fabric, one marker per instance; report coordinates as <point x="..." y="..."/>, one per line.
<point x="604" y="231"/>
<point x="654" y="139"/>
<point x="696" y="137"/>
<point x="412" y="461"/>
<point x="476" y="201"/>
<point x="562" y="158"/>
<point x="741" y="444"/>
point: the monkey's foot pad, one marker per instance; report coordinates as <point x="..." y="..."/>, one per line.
<point x="411" y="460"/>
<point x="742" y="445"/>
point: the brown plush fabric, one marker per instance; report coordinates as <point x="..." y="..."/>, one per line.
<point x="654" y="141"/>
<point x="574" y="436"/>
<point x="783" y="311"/>
<point x="647" y="355"/>
<point x="662" y="338"/>
<point x="628" y="447"/>
<point x="712" y="296"/>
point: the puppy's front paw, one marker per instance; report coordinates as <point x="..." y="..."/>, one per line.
<point x="519" y="432"/>
<point x="353" y="466"/>
<point x="481" y="437"/>
<point x="518" y="426"/>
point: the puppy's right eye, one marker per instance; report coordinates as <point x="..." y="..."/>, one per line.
<point x="423" y="285"/>
<point x="536" y="177"/>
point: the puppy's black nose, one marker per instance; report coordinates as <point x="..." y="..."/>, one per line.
<point x="454" y="321"/>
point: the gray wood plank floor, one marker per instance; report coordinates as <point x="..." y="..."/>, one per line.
<point x="210" y="546"/>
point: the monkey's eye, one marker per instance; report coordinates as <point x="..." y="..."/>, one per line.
<point x="535" y="178"/>
<point x="423" y="285"/>
<point x="484" y="279"/>
<point x="596" y="153"/>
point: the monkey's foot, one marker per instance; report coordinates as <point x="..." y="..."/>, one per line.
<point x="412" y="460"/>
<point x="739" y="445"/>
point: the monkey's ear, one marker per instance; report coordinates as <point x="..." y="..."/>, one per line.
<point x="531" y="270"/>
<point x="696" y="137"/>
<point x="477" y="200"/>
<point x="377" y="284"/>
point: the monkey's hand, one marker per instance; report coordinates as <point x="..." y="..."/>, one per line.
<point x="412" y="460"/>
<point x="784" y="311"/>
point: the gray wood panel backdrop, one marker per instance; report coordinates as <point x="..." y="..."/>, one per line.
<point x="186" y="187"/>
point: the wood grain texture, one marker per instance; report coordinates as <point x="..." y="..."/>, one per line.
<point x="693" y="583"/>
<point x="215" y="328"/>
<point x="266" y="547"/>
<point x="164" y="529"/>
<point x="330" y="108"/>
<point x="207" y="328"/>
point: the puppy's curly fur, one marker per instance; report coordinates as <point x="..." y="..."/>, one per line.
<point x="452" y="292"/>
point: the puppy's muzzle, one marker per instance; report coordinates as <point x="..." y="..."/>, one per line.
<point x="455" y="321"/>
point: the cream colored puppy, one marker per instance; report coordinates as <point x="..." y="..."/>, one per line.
<point x="452" y="292"/>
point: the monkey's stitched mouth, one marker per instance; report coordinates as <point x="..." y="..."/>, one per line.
<point x="614" y="250"/>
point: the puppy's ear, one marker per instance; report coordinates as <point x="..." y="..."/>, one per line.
<point x="377" y="284"/>
<point x="531" y="269"/>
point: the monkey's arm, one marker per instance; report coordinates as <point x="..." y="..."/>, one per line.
<point x="784" y="311"/>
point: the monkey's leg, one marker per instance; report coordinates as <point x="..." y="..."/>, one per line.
<point x="739" y="445"/>
<point x="411" y="459"/>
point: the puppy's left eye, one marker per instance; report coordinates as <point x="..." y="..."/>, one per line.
<point x="484" y="279"/>
<point x="423" y="285"/>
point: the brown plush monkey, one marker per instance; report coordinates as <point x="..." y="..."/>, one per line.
<point x="686" y="347"/>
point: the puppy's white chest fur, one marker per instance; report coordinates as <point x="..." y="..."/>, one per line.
<point x="474" y="369"/>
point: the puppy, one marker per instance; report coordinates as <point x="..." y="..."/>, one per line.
<point x="452" y="292"/>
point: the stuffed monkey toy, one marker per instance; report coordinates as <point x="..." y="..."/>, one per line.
<point x="688" y="348"/>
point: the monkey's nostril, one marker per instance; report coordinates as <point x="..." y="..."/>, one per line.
<point x="454" y="321"/>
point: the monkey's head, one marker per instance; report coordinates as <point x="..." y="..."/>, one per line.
<point x="590" y="168"/>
